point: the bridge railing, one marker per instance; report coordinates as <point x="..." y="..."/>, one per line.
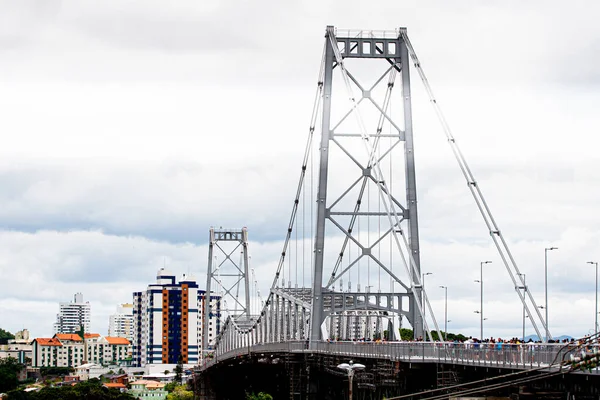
<point x="519" y="356"/>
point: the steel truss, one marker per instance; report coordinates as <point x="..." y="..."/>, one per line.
<point x="393" y="52"/>
<point x="229" y="276"/>
<point x="291" y="314"/>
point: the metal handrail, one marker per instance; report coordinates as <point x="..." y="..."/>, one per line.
<point x="504" y="355"/>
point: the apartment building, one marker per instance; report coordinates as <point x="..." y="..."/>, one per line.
<point x="73" y="315"/>
<point x="121" y="323"/>
<point x="167" y="321"/>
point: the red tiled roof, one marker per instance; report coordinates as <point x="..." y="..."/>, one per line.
<point x="48" y="342"/>
<point x="116" y="340"/>
<point x="115" y="385"/>
<point x="91" y="335"/>
<point x="68" y="336"/>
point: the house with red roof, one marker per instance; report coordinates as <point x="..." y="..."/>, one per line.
<point x="70" y="350"/>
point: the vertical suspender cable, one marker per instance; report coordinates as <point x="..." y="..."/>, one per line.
<point x="303" y="234"/>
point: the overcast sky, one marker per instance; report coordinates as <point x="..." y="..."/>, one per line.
<point x="131" y="127"/>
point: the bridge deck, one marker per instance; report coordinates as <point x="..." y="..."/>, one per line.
<point x="524" y="356"/>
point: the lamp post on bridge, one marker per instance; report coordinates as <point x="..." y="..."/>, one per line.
<point x="480" y="312"/>
<point x="445" y="312"/>
<point x="596" y="308"/>
<point x="546" y="250"/>
<point x="350" y="368"/>
<point x="423" y="275"/>
<point x="524" y="287"/>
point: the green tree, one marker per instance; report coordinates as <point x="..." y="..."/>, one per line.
<point x="89" y="390"/>
<point x="6" y="334"/>
<point x="259" y="396"/>
<point x="180" y="392"/>
<point x="169" y="387"/>
<point x="9" y="368"/>
<point x="179" y="369"/>
<point x="406" y="334"/>
<point x="60" y="371"/>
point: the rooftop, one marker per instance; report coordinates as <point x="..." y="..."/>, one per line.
<point x="116" y="340"/>
<point x="149" y="384"/>
<point x="115" y="385"/>
<point x="48" y="342"/>
<point x="68" y="336"/>
<point x="91" y="335"/>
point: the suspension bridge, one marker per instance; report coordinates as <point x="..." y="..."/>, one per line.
<point x="349" y="272"/>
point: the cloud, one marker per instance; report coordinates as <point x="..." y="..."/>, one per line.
<point x="176" y="202"/>
<point x="47" y="267"/>
<point x="131" y="127"/>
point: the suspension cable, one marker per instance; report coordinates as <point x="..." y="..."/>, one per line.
<point x="280" y="271"/>
<point x="493" y="229"/>
<point x="303" y="235"/>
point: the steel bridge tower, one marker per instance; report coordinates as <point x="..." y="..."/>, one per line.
<point x="229" y="276"/>
<point x="388" y="50"/>
<point x="364" y="213"/>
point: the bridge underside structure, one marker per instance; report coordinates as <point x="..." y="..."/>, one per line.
<point x="413" y="370"/>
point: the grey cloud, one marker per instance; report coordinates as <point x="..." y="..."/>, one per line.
<point x="136" y="28"/>
<point x="233" y="42"/>
<point x="84" y="257"/>
<point x="108" y="268"/>
<point x="22" y="22"/>
<point x="489" y="62"/>
<point x="172" y="203"/>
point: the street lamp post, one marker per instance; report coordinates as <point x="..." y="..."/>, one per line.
<point x="524" y="287"/>
<point x="481" y="297"/>
<point x="596" y="313"/>
<point x="423" y="275"/>
<point x="445" y="312"/>
<point x="350" y="368"/>
<point x="546" y="287"/>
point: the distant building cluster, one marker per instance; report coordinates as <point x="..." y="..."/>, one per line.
<point x="163" y="325"/>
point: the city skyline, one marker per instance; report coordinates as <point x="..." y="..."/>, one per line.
<point x="131" y="135"/>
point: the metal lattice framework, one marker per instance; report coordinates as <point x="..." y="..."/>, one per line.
<point x="366" y="223"/>
<point x="229" y="276"/>
<point x="359" y="134"/>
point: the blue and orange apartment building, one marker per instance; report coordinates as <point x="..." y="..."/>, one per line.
<point x="167" y="321"/>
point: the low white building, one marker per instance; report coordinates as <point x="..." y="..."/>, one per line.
<point x="69" y="350"/>
<point x="145" y="389"/>
<point x="19" y="348"/>
<point x="89" y="371"/>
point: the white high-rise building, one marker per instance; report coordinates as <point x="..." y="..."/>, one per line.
<point x="167" y="321"/>
<point x="121" y="323"/>
<point x="73" y="315"/>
